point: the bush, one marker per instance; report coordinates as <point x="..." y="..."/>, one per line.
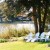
<point x="13" y="31"/>
<point x="3" y="40"/>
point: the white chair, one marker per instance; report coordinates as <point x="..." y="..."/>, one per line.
<point x="48" y="33"/>
<point x="36" y="37"/>
<point x="29" y="37"/>
<point x="47" y="36"/>
<point x="42" y="36"/>
<point x="26" y="37"/>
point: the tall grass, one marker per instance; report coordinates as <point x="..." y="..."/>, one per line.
<point x="8" y="31"/>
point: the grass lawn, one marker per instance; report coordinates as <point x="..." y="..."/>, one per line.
<point x="20" y="45"/>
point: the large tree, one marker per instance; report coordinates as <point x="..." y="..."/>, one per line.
<point x="40" y="7"/>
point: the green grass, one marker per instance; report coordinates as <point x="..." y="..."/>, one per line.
<point x="20" y="45"/>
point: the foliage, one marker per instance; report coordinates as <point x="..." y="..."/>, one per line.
<point x="14" y="7"/>
<point x="40" y="11"/>
<point x="3" y="40"/>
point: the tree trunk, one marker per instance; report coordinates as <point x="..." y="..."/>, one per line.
<point x="35" y="20"/>
<point x="39" y="12"/>
<point x="36" y="24"/>
<point x="45" y="14"/>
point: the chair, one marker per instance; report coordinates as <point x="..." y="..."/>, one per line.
<point x="36" y="37"/>
<point x="29" y="37"/>
<point x="47" y="38"/>
<point x="42" y="36"/>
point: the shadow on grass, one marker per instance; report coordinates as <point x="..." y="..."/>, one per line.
<point x="48" y="42"/>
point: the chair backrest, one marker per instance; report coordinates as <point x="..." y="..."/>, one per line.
<point x="30" y="34"/>
<point x="47" y="37"/>
<point x="42" y="35"/>
<point x="37" y="34"/>
<point x="48" y="33"/>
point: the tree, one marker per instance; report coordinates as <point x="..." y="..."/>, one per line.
<point x="13" y="9"/>
<point x="39" y="7"/>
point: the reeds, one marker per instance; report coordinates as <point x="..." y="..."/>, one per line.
<point x="8" y="31"/>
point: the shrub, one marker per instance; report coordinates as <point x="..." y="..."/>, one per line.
<point x="3" y="40"/>
<point x="13" y="31"/>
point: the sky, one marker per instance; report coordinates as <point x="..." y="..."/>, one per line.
<point x="1" y="1"/>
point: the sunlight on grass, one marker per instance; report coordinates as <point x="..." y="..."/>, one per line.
<point x="20" y="45"/>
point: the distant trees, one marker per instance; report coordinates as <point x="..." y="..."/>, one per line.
<point x="13" y="7"/>
<point x="3" y="7"/>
